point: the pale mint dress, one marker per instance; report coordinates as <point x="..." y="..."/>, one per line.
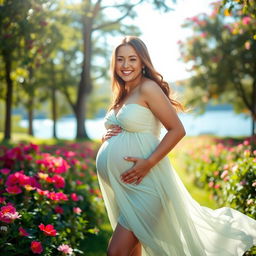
<point x="160" y="211"/>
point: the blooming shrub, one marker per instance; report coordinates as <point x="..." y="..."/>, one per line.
<point x="228" y="169"/>
<point x="49" y="199"/>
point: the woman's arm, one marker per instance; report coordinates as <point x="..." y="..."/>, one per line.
<point x="162" y="108"/>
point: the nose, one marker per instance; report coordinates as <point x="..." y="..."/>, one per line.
<point x="125" y="63"/>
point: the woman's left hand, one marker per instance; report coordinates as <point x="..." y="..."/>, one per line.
<point x="140" y="169"/>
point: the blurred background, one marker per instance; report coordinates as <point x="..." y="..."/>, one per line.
<point x="54" y="68"/>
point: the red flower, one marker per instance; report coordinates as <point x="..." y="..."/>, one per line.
<point x="13" y="190"/>
<point x="5" y="171"/>
<point x="36" y="247"/>
<point x="74" y="197"/>
<point x="23" y="232"/>
<point x="58" y="181"/>
<point x="59" y="209"/>
<point x="57" y="196"/>
<point x="2" y="200"/>
<point x="8" y="213"/>
<point x="48" y="229"/>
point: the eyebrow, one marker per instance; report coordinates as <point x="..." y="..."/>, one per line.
<point x="128" y="56"/>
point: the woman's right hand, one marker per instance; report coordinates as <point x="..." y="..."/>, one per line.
<point x="112" y="131"/>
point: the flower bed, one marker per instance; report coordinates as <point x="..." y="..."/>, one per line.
<point x="49" y="199"/>
<point x="228" y="169"/>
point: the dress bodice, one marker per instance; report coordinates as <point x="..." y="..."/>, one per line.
<point x="134" y="117"/>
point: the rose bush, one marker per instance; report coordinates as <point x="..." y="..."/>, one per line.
<point x="49" y="198"/>
<point x="228" y="169"/>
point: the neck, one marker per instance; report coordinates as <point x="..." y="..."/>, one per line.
<point x="130" y="86"/>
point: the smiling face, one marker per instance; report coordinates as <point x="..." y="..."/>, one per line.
<point x="128" y="65"/>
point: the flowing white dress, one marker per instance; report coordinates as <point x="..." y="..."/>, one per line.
<point x="160" y="211"/>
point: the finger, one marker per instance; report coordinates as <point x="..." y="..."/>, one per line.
<point x="131" y="159"/>
<point x="138" y="181"/>
<point x="131" y="179"/>
<point x="128" y="175"/>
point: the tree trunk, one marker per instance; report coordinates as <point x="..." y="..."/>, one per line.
<point x="54" y="103"/>
<point x="8" y="101"/>
<point x="85" y="85"/>
<point x="30" y="115"/>
<point x="30" y="102"/>
<point x="253" y="107"/>
<point x="54" y="113"/>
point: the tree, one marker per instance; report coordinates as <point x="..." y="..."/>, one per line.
<point x="221" y="54"/>
<point x="93" y="17"/>
<point x="18" y="37"/>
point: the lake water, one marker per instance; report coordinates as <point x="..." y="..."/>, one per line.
<point x="222" y="123"/>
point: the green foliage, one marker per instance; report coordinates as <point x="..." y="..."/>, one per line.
<point x="227" y="169"/>
<point x="221" y="56"/>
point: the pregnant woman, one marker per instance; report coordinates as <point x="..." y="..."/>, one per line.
<point x="149" y="209"/>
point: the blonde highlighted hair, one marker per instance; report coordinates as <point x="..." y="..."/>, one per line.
<point x="149" y="72"/>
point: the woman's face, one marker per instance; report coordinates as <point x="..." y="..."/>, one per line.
<point x="128" y="64"/>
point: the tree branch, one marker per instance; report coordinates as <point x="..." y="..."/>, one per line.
<point x="129" y="8"/>
<point x="66" y="93"/>
<point x="240" y="89"/>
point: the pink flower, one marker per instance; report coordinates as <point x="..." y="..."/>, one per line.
<point x="203" y="35"/>
<point x="65" y="249"/>
<point x="78" y="182"/>
<point x="13" y="190"/>
<point x="254" y="184"/>
<point x="23" y="232"/>
<point x="217" y="186"/>
<point x="59" y="209"/>
<point x="58" y="181"/>
<point x="224" y="174"/>
<point x="53" y="164"/>
<point x="48" y="229"/>
<point x="77" y="210"/>
<point x="36" y="247"/>
<point x="57" y="196"/>
<point x="74" y="197"/>
<point x="42" y="192"/>
<point x="5" y="171"/>
<point x="8" y="214"/>
<point x="211" y="184"/>
<point x="246" y="20"/>
<point x="246" y="142"/>
<point x="2" y="200"/>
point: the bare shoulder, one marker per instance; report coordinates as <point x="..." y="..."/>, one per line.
<point x="151" y="92"/>
<point x="149" y="88"/>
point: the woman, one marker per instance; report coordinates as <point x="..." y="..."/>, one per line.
<point x="149" y="209"/>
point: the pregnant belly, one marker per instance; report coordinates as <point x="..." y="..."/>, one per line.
<point x="110" y="157"/>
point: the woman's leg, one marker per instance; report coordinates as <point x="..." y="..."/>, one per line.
<point x="123" y="243"/>
<point x="137" y="250"/>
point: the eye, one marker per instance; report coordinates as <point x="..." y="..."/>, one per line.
<point x="133" y="59"/>
<point x="119" y="59"/>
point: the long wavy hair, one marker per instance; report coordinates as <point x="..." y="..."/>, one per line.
<point x="118" y="85"/>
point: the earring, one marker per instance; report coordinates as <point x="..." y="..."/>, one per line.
<point x="143" y="71"/>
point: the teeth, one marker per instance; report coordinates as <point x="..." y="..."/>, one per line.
<point x="127" y="72"/>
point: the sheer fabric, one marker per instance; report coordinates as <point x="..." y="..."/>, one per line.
<point x="160" y="211"/>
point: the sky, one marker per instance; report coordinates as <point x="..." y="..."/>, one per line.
<point x="161" y="32"/>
